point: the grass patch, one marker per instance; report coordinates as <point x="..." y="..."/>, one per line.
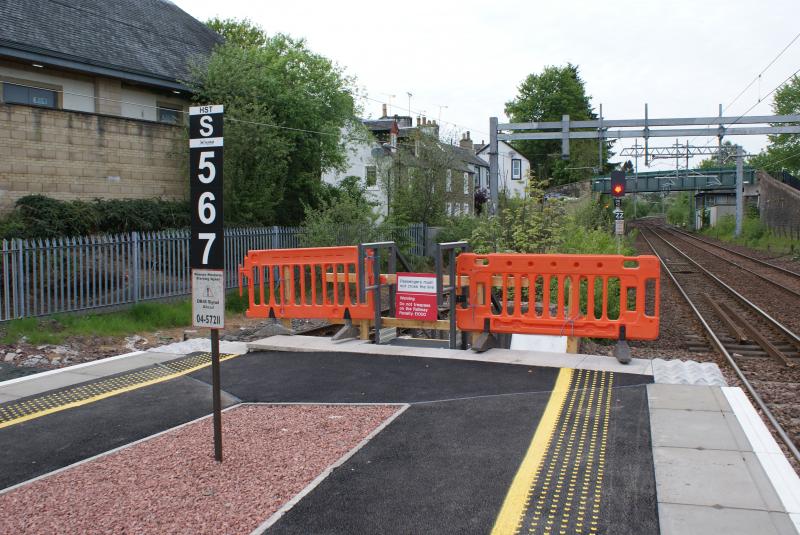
<point x="141" y="317"/>
<point x="754" y="234"/>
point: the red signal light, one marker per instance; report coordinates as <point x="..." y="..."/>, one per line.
<point x="617" y="183"/>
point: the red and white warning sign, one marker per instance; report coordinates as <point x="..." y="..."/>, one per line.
<point x="416" y="296"/>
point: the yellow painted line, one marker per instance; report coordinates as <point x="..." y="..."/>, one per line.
<point x="513" y="507"/>
<point x="110" y="393"/>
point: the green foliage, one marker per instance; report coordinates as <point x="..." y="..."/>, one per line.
<point x="344" y="217"/>
<point x="37" y="216"/>
<point x="524" y="225"/>
<point x="458" y="228"/>
<point x="679" y="211"/>
<point x="285" y="107"/>
<point x="546" y="97"/>
<point x="783" y="151"/>
<point x="755" y="235"/>
<point x="139" y="318"/>
<point x="415" y="179"/>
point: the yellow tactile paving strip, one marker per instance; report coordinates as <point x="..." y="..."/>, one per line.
<point x="562" y="472"/>
<point x="15" y="412"/>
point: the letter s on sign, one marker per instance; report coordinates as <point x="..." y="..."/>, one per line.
<point x="206" y="128"/>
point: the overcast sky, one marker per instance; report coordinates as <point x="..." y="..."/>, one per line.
<point x="682" y="57"/>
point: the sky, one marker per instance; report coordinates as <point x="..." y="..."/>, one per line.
<point x="463" y="60"/>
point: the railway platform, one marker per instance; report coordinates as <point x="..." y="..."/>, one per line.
<point x="500" y="442"/>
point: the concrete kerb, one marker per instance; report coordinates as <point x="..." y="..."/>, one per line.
<point x="299" y="343"/>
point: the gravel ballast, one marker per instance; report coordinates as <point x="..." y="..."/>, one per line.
<point x="171" y="483"/>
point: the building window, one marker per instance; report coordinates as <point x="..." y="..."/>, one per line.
<point x="478" y="180"/>
<point x="371" y="176"/>
<point x="466" y="208"/>
<point x="466" y="183"/>
<point x="168" y="115"/>
<point x="449" y="209"/>
<point x="516" y="169"/>
<point x="448" y="184"/>
<point x="20" y="94"/>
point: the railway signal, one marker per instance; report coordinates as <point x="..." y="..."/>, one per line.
<point x="617" y="183"/>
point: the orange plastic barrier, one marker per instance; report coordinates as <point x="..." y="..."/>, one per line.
<point x="570" y="295"/>
<point x="305" y="283"/>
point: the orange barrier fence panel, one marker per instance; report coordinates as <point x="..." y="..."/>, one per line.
<point x="569" y="295"/>
<point x="305" y="283"/>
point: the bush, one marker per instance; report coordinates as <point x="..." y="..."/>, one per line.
<point x="345" y="217"/>
<point x="458" y="228"/>
<point x="37" y="216"/>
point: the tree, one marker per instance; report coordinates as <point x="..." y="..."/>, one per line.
<point x="783" y="151"/>
<point x="415" y="180"/>
<point x="285" y="107"/>
<point x="548" y="96"/>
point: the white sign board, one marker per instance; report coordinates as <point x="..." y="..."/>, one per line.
<point x="619" y="227"/>
<point x="208" y="298"/>
<point x="415" y="284"/>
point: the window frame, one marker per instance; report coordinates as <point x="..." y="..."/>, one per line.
<point x="57" y="91"/>
<point x="516" y="174"/>
<point x="367" y="182"/>
<point x="177" y="108"/>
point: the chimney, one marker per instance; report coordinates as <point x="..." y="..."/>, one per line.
<point x="384" y="111"/>
<point x="424" y="120"/>
<point x="466" y="143"/>
<point x="419" y="121"/>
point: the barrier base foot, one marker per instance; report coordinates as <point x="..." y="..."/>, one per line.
<point x="622" y="351"/>
<point x="484" y="342"/>
<point x="347" y="331"/>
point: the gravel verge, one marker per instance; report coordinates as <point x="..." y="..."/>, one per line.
<point x="171" y="483"/>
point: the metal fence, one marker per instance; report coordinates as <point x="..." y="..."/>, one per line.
<point x="50" y="276"/>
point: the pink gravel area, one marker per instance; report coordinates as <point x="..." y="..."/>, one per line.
<point x="171" y="483"/>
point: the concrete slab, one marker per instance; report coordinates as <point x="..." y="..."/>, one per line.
<point x="707" y="430"/>
<point x="705" y="477"/>
<point x="683" y="397"/>
<point x="504" y="356"/>
<point x="39" y="383"/>
<point x="681" y="519"/>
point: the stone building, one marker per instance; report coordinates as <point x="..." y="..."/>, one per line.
<point x="92" y="96"/>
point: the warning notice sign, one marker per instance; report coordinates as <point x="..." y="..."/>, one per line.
<point x="416" y="296"/>
<point x="208" y="298"/>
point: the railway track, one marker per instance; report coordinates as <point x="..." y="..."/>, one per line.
<point x="778" y="276"/>
<point x="763" y="352"/>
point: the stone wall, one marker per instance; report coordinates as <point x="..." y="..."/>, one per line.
<point x="76" y="155"/>
<point x="779" y="206"/>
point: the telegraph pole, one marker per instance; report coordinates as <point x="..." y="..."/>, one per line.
<point x="739" y="189"/>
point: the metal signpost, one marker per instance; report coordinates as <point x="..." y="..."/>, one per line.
<point x="207" y="247"/>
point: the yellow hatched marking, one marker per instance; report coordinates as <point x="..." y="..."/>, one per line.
<point x="83" y="395"/>
<point x="514" y="504"/>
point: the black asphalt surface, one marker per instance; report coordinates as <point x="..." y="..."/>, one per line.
<point x="358" y="378"/>
<point x="629" y="504"/>
<point x="443" y="466"/>
<point x="439" y="468"/>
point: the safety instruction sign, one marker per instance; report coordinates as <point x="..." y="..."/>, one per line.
<point x="208" y="298"/>
<point x="416" y="296"/>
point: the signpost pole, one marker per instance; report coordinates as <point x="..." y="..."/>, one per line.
<point x="216" y="394"/>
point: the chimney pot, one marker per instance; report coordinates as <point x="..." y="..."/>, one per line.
<point x="384" y="111"/>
